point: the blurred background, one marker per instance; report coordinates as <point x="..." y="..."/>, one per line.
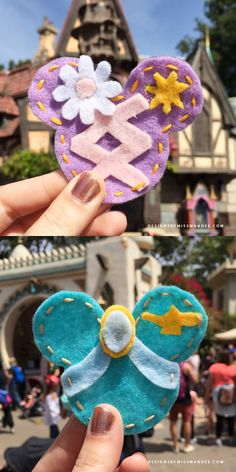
<point x="118" y="270"/>
<point x="198" y="192"/>
<point x="31" y="269"/>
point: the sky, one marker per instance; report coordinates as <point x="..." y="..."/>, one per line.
<point x="156" y="25"/>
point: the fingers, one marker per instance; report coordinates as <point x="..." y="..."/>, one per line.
<point x="22" y="207"/>
<point x="22" y="198"/>
<point x="108" y="224"/>
<point x="73" y="210"/>
<point x="103" y="443"/>
<point x="62" y="455"/>
<point x="135" y="463"/>
<point x="113" y="223"/>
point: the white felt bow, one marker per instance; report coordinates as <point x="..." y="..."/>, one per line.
<point x="156" y="369"/>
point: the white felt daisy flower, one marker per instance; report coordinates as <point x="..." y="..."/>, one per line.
<point x="87" y="90"/>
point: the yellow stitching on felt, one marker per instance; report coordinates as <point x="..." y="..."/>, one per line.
<point x="188" y="79"/>
<point x="129" y="426"/>
<point x="52" y="68"/>
<point x="138" y="186"/>
<point x="164" y="130"/>
<point x="40" y="84"/>
<point x="89" y="305"/>
<point x="194" y="102"/>
<point x="50" y="310"/>
<point x="56" y="121"/>
<point x="187" y="302"/>
<point x="171" y="66"/>
<point x="138" y="320"/>
<point x="105" y="316"/>
<point x="148" y="68"/>
<point x="190" y="342"/>
<point x="62" y="139"/>
<point x="78" y="404"/>
<point x="146" y="303"/>
<point x="99" y="320"/>
<point x="118" y="194"/>
<point x="165" y="294"/>
<point x="66" y="361"/>
<point x="74" y="173"/>
<point x="119" y="97"/>
<point x="174" y="357"/>
<point x="41" y="329"/>
<point x="155" y="169"/>
<point x="50" y="349"/>
<point x="73" y="64"/>
<point x="173" y="320"/>
<point x="134" y="86"/>
<point x="149" y="418"/>
<point x="68" y="300"/>
<point x="160" y="148"/>
<point x="184" y="118"/>
<point x="164" y="400"/>
<point x="69" y="381"/>
<point x="66" y="158"/>
<point x="41" y="106"/>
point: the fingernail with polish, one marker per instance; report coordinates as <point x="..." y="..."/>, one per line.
<point x="102" y="420"/>
<point x="87" y="188"/>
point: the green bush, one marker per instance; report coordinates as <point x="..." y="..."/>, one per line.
<point x="24" y="164"/>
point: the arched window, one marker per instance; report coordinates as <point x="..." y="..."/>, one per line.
<point x="108" y="294"/>
<point x="201" y="212"/>
<point x="202" y="133"/>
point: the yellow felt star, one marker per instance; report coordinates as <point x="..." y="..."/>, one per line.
<point x="172" y="321"/>
<point x="166" y="92"/>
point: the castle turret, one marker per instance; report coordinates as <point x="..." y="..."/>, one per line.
<point x="46" y="47"/>
<point x="98" y="28"/>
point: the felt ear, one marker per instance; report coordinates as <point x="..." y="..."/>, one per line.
<point x="66" y="327"/>
<point x="172" y="89"/>
<point x="171" y="323"/>
<point x="46" y="80"/>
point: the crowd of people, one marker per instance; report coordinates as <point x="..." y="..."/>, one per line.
<point x="16" y="392"/>
<point x="209" y="381"/>
<point x="216" y="388"/>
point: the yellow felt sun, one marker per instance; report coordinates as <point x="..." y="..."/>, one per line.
<point x="166" y="92"/>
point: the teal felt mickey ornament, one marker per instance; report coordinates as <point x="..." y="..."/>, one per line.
<point x="127" y="360"/>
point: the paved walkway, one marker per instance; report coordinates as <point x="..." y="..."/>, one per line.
<point x="159" y="448"/>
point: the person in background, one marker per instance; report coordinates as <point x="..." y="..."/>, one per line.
<point x="5" y="401"/>
<point x="194" y="362"/>
<point x="209" y="410"/>
<point x="183" y="405"/>
<point x="221" y="384"/>
<point x="52" y="412"/>
<point x="17" y="383"/>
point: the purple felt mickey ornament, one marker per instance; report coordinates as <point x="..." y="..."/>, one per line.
<point x="120" y="134"/>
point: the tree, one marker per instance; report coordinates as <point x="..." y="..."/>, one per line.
<point x="221" y="16"/>
<point x="191" y="285"/>
<point x="24" y="164"/>
<point x="192" y="257"/>
<point x="13" y="65"/>
<point x="40" y="244"/>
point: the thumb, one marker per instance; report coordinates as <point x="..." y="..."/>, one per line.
<point x="73" y="210"/>
<point x="103" y="444"/>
